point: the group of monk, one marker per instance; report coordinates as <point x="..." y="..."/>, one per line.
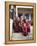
<point x="20" y="24"/>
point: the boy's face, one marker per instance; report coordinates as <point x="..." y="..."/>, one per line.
<point x="21" y="18"/>
<point x="26" y="20"/>
<point x="18" y="19"/>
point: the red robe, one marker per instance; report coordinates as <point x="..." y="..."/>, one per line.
<point x="26" y="28"/>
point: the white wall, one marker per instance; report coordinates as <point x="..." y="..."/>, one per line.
<point x="2" y="24"/>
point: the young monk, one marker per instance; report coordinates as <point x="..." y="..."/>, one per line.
<point x="25" y="27"/>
